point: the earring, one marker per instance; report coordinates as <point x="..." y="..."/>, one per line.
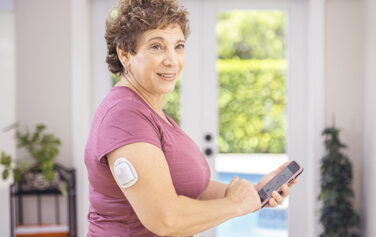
<point x="125" y="67"/>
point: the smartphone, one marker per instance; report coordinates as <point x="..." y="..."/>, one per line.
<point x="286" y="176"/>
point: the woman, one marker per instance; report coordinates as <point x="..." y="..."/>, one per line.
<point x="163" y="187"/>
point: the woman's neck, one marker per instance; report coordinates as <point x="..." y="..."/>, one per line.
<point x="154" y="101"/>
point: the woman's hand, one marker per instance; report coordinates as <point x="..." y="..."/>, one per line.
<point x="244" y="195"/>
<point x="277" y="198"/>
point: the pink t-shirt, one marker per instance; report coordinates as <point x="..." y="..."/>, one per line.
<point x="123" y="118"/>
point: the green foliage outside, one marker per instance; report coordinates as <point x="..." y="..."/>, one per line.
<point x="251" y="34"/>
<point x="171" y="103"/>
<point x="251" y="106"/>
<point x="251" y="73"/>
<point x="338" y="216"/>
<point x="114" y="79"/>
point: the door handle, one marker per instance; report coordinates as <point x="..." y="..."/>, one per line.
<point x="208" y="151"/>
<point x="208" y="137"/>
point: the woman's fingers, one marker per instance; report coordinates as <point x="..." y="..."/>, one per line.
<point x="292" y="183"/>
<point x="236" y="178"/>
<point x="285" y="190"/>
<point x="272" y="203"/>
<point x="277" y="197"/>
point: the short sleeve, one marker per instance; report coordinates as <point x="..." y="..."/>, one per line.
<point x="125" y="123"/>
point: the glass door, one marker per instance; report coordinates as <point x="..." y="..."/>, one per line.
<point x="234" y="99"/>
<point x="251" y="99"/>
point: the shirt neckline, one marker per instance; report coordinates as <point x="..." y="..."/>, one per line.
<point x="173" y="123"/>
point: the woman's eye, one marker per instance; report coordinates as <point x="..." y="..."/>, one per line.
<point x="180" y="46"/>
<point x="156" y="46"/>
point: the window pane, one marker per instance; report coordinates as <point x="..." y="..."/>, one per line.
<point x="251" y="70"/>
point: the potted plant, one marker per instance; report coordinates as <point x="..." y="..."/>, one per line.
<point x="44" y="148"/>
<point x="337" y="214"/>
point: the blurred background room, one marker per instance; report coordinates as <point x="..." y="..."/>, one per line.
<point x="262" y="80"/>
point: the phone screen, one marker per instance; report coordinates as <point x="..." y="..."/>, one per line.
<point x="278" y="181"/>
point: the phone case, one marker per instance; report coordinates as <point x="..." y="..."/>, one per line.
<point x="286" y="176"/>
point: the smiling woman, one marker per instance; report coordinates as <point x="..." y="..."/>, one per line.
<point x="159" y="60"/>
<point x="147" y="177"/>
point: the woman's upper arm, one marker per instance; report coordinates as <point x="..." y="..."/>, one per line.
<point x="152" y="194"/>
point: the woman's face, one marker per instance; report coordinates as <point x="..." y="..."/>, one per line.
<point x="159" y="59"/>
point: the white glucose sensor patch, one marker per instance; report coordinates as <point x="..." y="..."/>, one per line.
<point x="125" y="173"/>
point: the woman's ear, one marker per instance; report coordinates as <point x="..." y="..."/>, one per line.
<point x="123" y="56"/>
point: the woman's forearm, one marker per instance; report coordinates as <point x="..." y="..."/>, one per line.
<point x="214" y="190"/>
<point x="194" y="216"/>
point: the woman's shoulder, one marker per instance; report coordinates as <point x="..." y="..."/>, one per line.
<point x="123" y="100"/>
<point x="120" y="106"/>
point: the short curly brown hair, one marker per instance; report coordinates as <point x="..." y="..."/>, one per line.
<point x="133" y="17"/>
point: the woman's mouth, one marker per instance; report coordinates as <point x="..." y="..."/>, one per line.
<point x="167" y="76"/>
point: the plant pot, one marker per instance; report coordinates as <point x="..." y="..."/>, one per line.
<point x="36" y="180"/>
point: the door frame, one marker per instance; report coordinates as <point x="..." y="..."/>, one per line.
<point x="305" y="108"/>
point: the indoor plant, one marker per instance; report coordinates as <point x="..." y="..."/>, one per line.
<point x="337" y="214"/>
<point x="43" y="147"/>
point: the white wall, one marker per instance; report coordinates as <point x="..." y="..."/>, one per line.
<point x="81" y="103"/>
<point x="43" y="81"/>
<point x="369" y="165"/>
<point x="100" y="76"/>
<point x="7" y="103"/>
<point x="344" y="80"/>
<point x="43" y="68"/>
<point x="351" y="93"/>
<point x="6" y="5"/>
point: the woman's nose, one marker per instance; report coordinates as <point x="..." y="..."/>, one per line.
<point x="171" y="58"/>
